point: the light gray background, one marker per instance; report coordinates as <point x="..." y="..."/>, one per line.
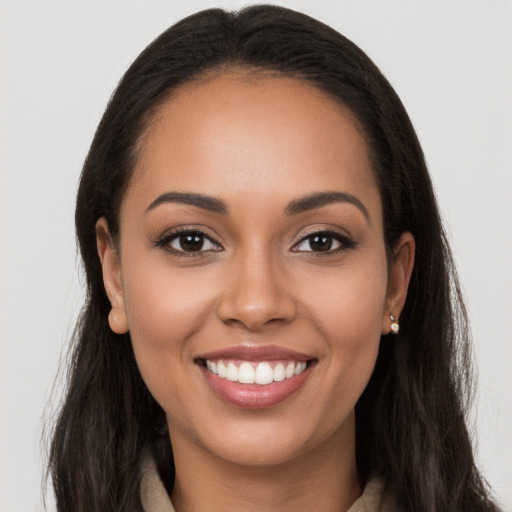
<point x="451" y="63"/>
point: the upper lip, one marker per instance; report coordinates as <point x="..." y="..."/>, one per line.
<point x="256" y="353"/>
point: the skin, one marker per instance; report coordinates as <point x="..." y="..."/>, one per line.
<point x="257" y="143"/>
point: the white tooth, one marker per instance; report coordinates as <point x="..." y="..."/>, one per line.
<point x="264" y="374"/>
<point x="246" y="373"/>
<point x="221" y="369"/>
<point x="214" y="367"/>
<point x="279" y="374"/>
<point x="209" y="365"/>
<point x="232" y="372"/>
<point x="288" y="373"/>
<point x="303" y="365"/>
<point x="298" y="369"/>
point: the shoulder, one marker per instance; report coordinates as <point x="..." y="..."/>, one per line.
<point x="153" y="496"/>
<point x="376" y="497"/>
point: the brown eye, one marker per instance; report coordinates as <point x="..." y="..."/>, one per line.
<point x="324" y="241"/>
<point x="190" y="242"/>
<point x="321" y="242"/>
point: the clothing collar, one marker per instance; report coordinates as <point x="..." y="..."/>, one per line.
<point x="375" y="498"/>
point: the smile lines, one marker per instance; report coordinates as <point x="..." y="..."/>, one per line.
<point x="262" y="373"/>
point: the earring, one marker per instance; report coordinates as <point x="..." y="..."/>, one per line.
<point x="395" y="327"/>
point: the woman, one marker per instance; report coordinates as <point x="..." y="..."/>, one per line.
<point x="273" y="320"/>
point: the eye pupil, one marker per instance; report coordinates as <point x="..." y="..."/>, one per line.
<point x="320" y="242"/>
<point x="191" y="242"/>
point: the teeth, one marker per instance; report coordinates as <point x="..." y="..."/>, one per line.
<point x="232" y="372"/>
<point x="221" y="369"/>
<point x="264" y="374"/>
<point x="299" y="368"/>
<point x="279" y="374"/>
<point x="255" y="373"/>
<point x="246" y="373"/>
<point x="211" y="366"/>
<point x="290" y="369"/>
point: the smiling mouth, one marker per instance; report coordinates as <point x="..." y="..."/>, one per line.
<point x="251" y="372"/>
<point x="255" y="377"/>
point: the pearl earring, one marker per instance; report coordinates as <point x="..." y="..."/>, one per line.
<point x="395" y="327"/>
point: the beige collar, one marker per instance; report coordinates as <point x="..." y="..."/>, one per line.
<point x="154" y="497"/>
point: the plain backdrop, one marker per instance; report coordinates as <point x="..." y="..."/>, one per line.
<point x="450" y="62"/>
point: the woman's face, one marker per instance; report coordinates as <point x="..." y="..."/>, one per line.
<point x="251" y="249"/>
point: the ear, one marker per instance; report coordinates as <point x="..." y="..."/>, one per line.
<point x="112" y="280"/>
<point x="400" y="271"/>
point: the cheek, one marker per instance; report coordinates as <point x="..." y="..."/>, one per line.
<point x="353" y="300"/>
<point x="165" y="307"/>
<point x="349" y="316"/>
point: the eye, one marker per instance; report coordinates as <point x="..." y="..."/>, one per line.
<point x="188" y="242"/>
<point x="324" y="241"/>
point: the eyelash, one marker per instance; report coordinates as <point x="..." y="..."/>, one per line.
<point x="166" y="240"/>
<point x="345" y="241"/>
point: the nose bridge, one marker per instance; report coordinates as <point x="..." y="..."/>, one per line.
<point x="256" y="292"/>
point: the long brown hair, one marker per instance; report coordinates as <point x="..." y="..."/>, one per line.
<point x="410" y="421"/>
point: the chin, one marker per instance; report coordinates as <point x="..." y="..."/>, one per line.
<point x="270" y="439"/>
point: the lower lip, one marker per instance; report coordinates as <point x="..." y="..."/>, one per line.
<point x="255" y="396"/>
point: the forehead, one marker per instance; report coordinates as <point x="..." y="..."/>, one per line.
<point x="236" y="132"/>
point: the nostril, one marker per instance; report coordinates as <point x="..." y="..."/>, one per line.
<point x="255" y="318"/>
<point x="255" y="298"/>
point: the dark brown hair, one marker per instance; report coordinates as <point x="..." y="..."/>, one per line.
<point x="410" y="421"/>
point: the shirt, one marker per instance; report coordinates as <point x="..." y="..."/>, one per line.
<point x="375" y="498"/>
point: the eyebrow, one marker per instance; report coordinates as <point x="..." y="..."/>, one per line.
<point x="216" y="205"/>
<point x="322" y="199"/>
<point x="209" y="203"/>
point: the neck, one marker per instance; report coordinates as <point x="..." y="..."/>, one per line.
<point x="321" y="479"/>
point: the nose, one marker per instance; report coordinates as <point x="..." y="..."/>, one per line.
<point x="256" y="293"/>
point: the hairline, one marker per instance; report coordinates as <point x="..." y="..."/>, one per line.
<point x="248" y="73"/>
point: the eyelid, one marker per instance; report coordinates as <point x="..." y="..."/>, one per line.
<point x="345" y="239"/>
<point x="164" y="241"/>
